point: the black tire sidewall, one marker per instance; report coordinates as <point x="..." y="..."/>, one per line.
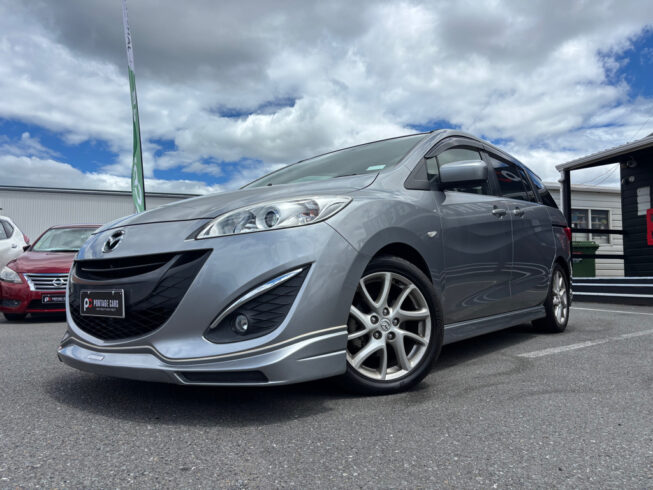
<point x="550" y="322"/>
<point x="356" y="381"/>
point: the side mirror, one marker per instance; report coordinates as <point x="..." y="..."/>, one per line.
<point x="463" y="173"/>
<point x="26" y="248"/>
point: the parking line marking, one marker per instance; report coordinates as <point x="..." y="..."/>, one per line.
<point x="612" y="311"/>
<point x="581" y="345"/>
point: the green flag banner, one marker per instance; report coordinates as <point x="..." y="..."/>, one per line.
<point x="138" y="182"/>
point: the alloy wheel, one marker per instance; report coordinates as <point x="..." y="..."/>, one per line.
<point x="389" y="327"/>
<point x="560" y="298"/>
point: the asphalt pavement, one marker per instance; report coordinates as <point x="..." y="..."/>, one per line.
<point x="512" y="409"/>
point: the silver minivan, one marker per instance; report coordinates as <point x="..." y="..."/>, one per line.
<point x="360" y="263"/>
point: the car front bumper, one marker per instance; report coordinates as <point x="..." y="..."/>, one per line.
<point x="20" y="299"/>
<point x="316" y="356"/>
<point x="309" y="344"/>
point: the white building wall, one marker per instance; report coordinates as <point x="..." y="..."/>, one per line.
<point x="36" y="210"/>
<point x="603" y="198"/>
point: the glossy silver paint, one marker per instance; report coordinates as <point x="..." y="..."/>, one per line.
<point x="489" y="258"/>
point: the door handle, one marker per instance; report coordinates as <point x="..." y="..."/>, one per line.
<point x="13" y="245"/>
<point x="499" y="212"/>
<point x="518" y="212"/>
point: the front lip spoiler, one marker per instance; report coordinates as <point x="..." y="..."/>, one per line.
<point x="297" y="360"/>
<point x="162" y="357"/>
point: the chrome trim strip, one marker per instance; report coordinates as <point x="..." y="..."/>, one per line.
<point x="206" y="358"/>
<point x="254" y="293"/>
<point x="44" y="282"/>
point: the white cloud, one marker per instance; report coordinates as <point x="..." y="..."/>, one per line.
<point x="26" y="146"/>
<point x="537" y="75"/>
<point x="34" y="171"/>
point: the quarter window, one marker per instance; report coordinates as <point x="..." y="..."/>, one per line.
<point x="3" y="233"/>
<point x="8" y="228"/>
<point x="545" y="196"/>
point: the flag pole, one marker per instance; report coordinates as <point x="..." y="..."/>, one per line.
<point x="137" y="178"/>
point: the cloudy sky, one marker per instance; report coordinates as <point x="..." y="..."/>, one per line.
<point x="229" y="90"/>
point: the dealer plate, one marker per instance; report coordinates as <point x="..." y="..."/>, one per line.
<point x="102" y="303"/>
<point x="49" y="299"/>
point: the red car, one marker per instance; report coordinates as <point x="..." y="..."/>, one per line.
<point x="36" y="281"/>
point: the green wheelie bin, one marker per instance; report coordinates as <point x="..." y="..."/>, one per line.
<point x="584" y="267"/>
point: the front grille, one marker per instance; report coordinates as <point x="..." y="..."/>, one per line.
<point x="106" y="269"/>
<point x="47" y="282"/>
<point x="151" y="295"/>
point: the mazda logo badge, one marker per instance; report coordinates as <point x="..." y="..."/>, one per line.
<point x="113" y="241"/>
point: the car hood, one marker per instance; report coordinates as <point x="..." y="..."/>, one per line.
<point x="46" y="262"/>
<point x="216" y="204"/>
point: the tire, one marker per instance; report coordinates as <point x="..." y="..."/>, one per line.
<point x="15" y="317"/>
<point x="557" y="303"/>
<point x="395" y="309"/>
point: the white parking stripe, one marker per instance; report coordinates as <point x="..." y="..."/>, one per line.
<point x="612" y="311"/>
<point x="580" y="345"/>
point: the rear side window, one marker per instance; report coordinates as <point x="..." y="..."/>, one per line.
<point x="8" y="228"/>
<point x="454" y="155"/>
<point x="3" y="233"/>
<point x="545" y="196"/>
<point x="512" y="180"/>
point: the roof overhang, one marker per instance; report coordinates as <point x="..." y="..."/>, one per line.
<point x="611" y="155"/>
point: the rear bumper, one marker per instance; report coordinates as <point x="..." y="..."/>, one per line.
<point x="311" y="357"/>
<point x="20" y="299"/>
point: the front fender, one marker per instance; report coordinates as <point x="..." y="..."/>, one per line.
<point x="372" y="222"/>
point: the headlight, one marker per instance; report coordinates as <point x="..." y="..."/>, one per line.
<point x="9" y="275"/>
<point x="275" y="214"/>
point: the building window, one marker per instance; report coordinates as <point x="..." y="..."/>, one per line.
<point x="600" y="219"/>
<point x="594" y="219"/>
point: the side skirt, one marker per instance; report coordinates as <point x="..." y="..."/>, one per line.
<point x="479" y="326"/>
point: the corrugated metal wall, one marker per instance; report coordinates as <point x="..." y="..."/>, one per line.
<point x="35" y="211"/>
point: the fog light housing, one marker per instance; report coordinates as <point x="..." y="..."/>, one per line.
<point x="241" y="324"/>
<point x="258" y="312"/>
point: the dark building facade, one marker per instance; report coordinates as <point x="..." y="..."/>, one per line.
<point x="636" y="201"/>
<point x="636" y="165"/>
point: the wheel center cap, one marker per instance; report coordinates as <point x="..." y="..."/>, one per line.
<point x="385" y="324"/>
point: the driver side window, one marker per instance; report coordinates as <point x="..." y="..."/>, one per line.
<point x="451" y="156"/>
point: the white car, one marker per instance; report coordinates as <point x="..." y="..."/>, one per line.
<point x="12" y="241"/>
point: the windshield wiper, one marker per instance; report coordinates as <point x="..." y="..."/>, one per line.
<point x="60" y="250"/>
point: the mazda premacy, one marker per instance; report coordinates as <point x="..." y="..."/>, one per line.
<point x="360" y="263"/>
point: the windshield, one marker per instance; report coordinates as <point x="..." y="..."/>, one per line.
<point x="62" y="240"/>
<point x="362" y="159"/>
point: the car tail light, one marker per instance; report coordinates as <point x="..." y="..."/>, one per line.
<point x="26" y="238"/>
<point x="568" y="233"/>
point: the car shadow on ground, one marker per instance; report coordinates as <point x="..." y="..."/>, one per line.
<point x="36" y="318"/>
<point x="477" y="347"/>
<point x="167" y="404"/>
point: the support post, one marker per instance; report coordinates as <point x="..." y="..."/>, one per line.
<point x="566" y="195"/>
<point x="566" y="201"/>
